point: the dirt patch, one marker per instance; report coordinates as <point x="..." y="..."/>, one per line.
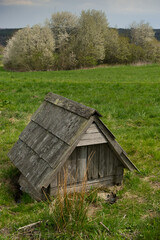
<point x="13" y="120"/>
<point x="4" y="231"/>
<point x="150" y="214"/>
<point x="92" y="210"/>
<point x="148" y="178"/>
<point x="134" y="197"/>
<point x="154" y="184"/>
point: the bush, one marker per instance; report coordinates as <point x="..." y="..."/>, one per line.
<point x="30" y="49"/>
<point x="65" y="60"/>
<point x="137" y="53"/>
<point x="87" y="61"/>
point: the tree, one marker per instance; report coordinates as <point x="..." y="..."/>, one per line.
<point x="30" y="49"/>
<point x="63" y="26"/>
<point x="111" y="46"/>
<point x="141" y="33"/>
<point x="117" y="48"/>
<point x="92" y="28"/>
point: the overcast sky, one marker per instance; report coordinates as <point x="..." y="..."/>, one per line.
<point x="120" y="13"/>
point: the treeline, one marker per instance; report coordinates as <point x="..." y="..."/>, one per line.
<point x="126" y="32"/>
<point x="69" y="42"/>
<point x="6" y="34"/>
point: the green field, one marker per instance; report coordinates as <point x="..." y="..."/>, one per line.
<point x="128" y="97"/>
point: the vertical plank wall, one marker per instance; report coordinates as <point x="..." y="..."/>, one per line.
<point x="104" y="163"/>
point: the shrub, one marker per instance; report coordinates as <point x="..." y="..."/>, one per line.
<point x="30" y="49"/>
<point x="137" y="53"/>
<point x="87" y="61"/>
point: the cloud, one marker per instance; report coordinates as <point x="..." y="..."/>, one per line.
<point x="113" y="6"/>
<point x="136" y="6"/>
<point x="118" y="6"/>
<point x="23" y="2"/>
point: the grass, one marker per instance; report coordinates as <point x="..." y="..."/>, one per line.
<point x="128" y="98"/>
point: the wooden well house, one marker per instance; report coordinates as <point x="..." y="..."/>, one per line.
<point x="65" y="137"/>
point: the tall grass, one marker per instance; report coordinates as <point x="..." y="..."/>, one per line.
<point x="69" y="209"/>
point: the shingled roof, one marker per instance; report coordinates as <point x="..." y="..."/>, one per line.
<point x="51" y="136"/>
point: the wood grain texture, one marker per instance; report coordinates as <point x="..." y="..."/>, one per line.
<point x="93" y="161"/>
<point x="81" y="163"/>
<point x="92" y="136"/>
<point x="115" y="146"/>
<point x="29" y="163"/>
<point x="97" y="183"/>
<point x="71" y="106"/>
<point x="68" y="152"/>
<point x="60" y="122"/>
<point x="45" y="144"/>
<point x="102" y="162"/>
<point x="28" y="188"/>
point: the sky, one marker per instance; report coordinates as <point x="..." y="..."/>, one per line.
<point x="120" y="13"/>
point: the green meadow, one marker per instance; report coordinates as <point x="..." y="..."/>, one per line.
<point x="128" y="97"/>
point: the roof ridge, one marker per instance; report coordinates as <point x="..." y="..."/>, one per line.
<point x="72" y="106"/>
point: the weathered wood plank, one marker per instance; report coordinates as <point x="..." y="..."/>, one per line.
<point x="89" y="162"/>
<point x="96" y="161"/>
<point x="115" y="146"/>
<point x="70" y="105"/>
<point x="28" y="188"/>
<point x="74" y="166"/>
<point x="28" y="162"/>
<point x="17" y="152"/>
<point x="69" y="170"/>
<point x="91" y="139"/>
<point x="107" y="160"/>
<point x="102" y="161"/>
<point x="93" y="129"/>
<point x="57" y="149"/>
<point x="81" y="163"/>
<point x="54" y="182"/>
<point x="68" y="152"/>
<point x="107" y="181"/>
<point x="46" y="145"/>
<point x="92" y="136"/>
<point x="71" y="165"/>
<point x="59" y="122"/>
<point x="93" y="162"/>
